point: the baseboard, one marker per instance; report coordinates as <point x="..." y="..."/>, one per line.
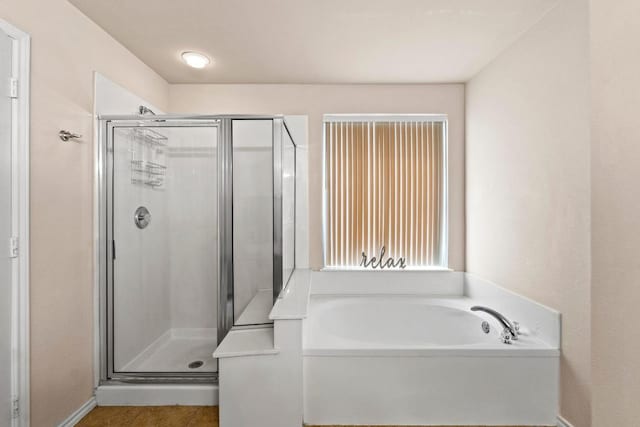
<point x="79" y="413"/>
<point x="563" y="423"/>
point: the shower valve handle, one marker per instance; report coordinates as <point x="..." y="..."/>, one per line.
<point x="142" y="217"/>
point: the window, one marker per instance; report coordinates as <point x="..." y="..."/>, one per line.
<point x="385" y="198"/>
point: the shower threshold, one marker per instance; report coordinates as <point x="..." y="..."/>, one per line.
<point x="157" y="394"/>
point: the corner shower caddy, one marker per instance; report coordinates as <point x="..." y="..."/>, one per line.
<point x="148" y="157"/>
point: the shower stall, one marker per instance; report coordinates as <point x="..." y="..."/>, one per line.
<point x="197" y="236"/>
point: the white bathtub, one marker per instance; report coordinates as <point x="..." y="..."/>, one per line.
<point x="418" y="360"/>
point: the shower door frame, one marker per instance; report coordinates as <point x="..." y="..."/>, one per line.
<point x="104" y="204"/>
<point x="108" y="124"/>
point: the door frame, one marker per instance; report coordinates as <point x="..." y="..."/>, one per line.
<point x="20" y="226"/>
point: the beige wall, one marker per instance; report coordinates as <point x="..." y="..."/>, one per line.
<point x="316" y="100"/>
<point x="527" y="180"/>
<point x="66" y="49"/>
<point x="615" y="127"/>
<point x="528" y="171"/>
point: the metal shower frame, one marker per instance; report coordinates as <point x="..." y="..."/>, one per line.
<point x="104" y="176"/>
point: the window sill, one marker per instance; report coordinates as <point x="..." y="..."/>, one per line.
<point x="389" y="270"/>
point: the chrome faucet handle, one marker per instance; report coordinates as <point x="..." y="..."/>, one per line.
<point x="506" y="323"/>
<point x="506" y="336"/>
<point x="516" y="327"/>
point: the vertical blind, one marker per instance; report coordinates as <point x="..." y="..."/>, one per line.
<point x="385" y="186"/>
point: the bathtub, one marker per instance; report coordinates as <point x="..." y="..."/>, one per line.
<point x="422" y="360"/>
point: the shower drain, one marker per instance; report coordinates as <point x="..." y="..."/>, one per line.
<point x="196" y="364"/>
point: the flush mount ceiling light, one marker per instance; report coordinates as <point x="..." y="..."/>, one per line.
<point x="195" y="59"/>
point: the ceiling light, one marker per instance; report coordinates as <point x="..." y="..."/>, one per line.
<point x="195" y="59"/>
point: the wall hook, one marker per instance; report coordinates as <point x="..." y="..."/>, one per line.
<point x="65" y="135"/>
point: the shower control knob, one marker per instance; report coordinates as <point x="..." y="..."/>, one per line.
<point x="142" y="217"/>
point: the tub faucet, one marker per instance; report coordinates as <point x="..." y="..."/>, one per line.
<point x="511" y="329"/>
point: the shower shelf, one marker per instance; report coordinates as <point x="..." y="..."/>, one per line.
<point x="149" y="182"/>
<point x="148" y="153"/>
<point x="150" y="137"/>
<point x="147" y="167"/>
<point x="147" y="173"/>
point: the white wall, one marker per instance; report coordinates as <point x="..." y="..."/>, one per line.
<point x="527" y="180"/>
<point x="112" y="98"/>
<point x="615" y="163"/>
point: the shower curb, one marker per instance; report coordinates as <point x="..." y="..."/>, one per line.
<point x="157" y="395"/>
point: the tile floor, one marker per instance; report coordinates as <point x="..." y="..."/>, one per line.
<point x="151" y="416"/>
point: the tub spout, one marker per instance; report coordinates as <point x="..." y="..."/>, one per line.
<point x="511" y="329"/>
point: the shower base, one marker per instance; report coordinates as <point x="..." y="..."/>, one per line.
<point x="176" y="350"/>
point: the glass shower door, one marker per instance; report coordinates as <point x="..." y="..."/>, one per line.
<point x="253" y="203"/>
<point x="163" y="282"/>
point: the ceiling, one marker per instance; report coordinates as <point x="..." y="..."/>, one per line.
<point x="317" y="41"/>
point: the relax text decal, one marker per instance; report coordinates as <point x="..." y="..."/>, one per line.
<point x="381" y="263"/>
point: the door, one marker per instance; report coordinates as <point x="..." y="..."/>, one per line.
<point x="6" y="283"/>
<point x="164" y="269"/>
